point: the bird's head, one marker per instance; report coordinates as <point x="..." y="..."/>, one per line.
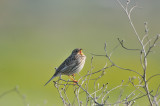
<point x="77" y="51"/>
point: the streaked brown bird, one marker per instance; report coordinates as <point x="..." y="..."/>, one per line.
<point x="72" y="65"/>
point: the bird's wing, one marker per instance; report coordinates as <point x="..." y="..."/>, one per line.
<point x="68" y="64"/>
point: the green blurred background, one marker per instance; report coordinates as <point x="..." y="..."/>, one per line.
<point x="37" y="35"/>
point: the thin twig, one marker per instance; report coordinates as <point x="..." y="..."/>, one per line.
<point x="121" y="42"/>
<point x="152" y="77"/>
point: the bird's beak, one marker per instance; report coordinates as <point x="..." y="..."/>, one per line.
<point x="80" y="52"/>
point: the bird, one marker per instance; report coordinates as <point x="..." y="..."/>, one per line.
<point x="72" y="65"/>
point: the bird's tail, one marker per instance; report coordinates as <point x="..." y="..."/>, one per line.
<point x="50" y="79"/>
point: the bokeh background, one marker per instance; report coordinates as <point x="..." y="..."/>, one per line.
<point x="37" y="35"/>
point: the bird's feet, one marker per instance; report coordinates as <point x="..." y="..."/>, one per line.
<point x="73" y="75"/>
<point x="75" y="82"/>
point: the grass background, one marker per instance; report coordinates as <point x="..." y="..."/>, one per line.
<point x="37" y="35"/>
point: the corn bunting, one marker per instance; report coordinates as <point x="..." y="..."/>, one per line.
<point x="73" y="64"/>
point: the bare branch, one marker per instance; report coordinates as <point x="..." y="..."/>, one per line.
<point x="152" y="77"/>
<point x="18" y="93"/>
<point x="121" y="42"/>
<point x="153" y="45"/>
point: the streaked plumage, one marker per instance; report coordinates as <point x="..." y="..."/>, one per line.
<point x="73" y="64"/>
